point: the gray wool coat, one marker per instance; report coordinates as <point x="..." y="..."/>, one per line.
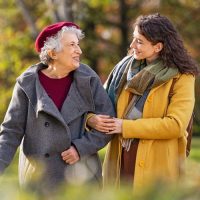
<point x="33" y="120"/>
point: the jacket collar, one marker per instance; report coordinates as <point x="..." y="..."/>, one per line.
<point x="73" y="106"/>
<point x="156" y="88"/>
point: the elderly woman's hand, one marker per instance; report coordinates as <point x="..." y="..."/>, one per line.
<point x="70" y="156"/>
<point x="102" y="123"/>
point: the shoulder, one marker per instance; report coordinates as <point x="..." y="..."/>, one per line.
<point x="86" y="70"/>
<point x="27" y="79"/>
<point x="185" y="78"/>
<point x="30" y="72"/>
<point x="184" y="85"/>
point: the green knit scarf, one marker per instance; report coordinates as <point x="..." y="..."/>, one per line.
<point x="154" y="72"/>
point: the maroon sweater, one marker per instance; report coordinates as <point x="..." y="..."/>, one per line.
<point x="57" y="89"/>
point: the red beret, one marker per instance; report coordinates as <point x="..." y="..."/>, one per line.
<point x="49" y="31"/>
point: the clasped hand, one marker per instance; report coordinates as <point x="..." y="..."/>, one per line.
<point x="106" y="124"/>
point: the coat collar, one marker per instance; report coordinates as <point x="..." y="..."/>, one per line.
<point x="156" y="88"/>
<point x="73" y="106"/>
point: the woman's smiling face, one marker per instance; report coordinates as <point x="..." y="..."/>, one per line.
<point x="143" y="48"/>
<point x="70" y="54"/>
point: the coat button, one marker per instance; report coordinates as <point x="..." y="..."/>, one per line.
<point x="46" y="155"/>
<point x="46" y="124"/>
<point x="149" y="99"/>
<point x="141" y="163"/>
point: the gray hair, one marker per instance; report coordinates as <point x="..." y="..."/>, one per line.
<point x="53" y="43"/>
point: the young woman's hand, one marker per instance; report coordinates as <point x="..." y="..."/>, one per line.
<point x="118" y="126"/>
<point x="102" y="123"/>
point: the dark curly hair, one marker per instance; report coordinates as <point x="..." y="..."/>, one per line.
<point x="157" y="28"/>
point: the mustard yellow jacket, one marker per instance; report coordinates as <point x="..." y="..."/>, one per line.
<point x="162" y="134"/>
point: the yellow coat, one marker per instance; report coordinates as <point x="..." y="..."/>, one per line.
<point x="162" y="134"/>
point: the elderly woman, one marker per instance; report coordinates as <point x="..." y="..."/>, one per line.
<point x="47" y="114"/>
<point x="151" y="127"/>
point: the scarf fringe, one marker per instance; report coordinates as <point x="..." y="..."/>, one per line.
<point x="126" y="143"/>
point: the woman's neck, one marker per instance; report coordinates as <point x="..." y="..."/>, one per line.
<point x="152" y="60"/>
<point x="53" y="71"/>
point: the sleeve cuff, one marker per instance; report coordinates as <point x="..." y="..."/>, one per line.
<point x="89" y="115"/>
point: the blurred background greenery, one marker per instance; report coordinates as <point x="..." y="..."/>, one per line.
<point x="107" y="25"/>
<point x="108" y="28"/>
<point x="187" y="189"/>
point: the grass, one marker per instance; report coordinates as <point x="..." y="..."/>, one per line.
<point x="195" y="150"/>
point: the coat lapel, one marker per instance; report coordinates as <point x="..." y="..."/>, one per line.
<point x="46" y="104"/>
<point x="75" y="104"/>
<point x="29" y="82"/>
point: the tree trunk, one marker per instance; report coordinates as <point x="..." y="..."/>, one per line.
<point x="27" y="17"/>
<point x="60" y="10"/>
<point x="124" y="27"/>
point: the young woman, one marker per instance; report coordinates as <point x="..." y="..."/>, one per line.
<point x="150" y="129"/>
